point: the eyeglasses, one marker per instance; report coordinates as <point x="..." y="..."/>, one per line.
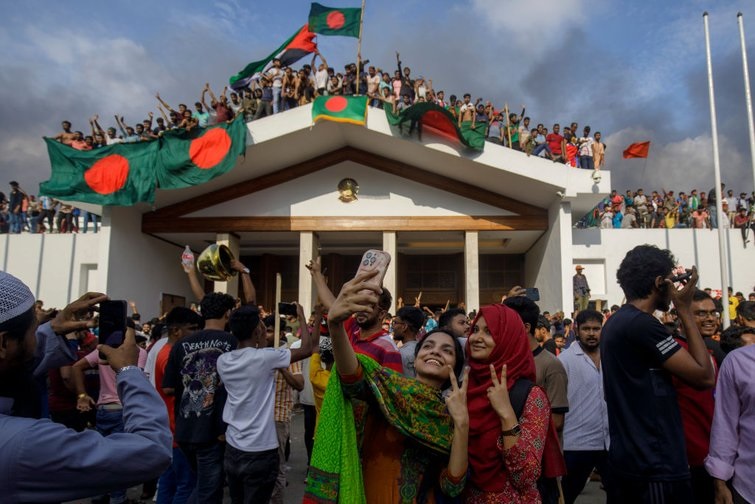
<point x="706" y="314"/>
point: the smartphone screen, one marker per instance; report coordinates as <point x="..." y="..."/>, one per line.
<point x="112" y="322"/>
<point x="287" y="309"/>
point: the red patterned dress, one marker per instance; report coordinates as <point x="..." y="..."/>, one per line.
<point x="521" y="464"/>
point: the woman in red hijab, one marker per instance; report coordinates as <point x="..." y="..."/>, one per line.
<point x="505" y="452"/>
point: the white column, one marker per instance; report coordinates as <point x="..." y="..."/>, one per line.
<point x="472" y="270"/>
<point x="567" y="258"/>
<point x="230" y="240"/>
<point x="308" y="250"/>
<point x="389" y="282"/>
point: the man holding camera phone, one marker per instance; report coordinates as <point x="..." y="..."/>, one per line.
<point x="46" y="462"/>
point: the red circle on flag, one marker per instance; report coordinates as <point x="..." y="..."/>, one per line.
<point x="210" y="149"/>
<point x="107" y="175"/>
<point x="335" y="20"/>
<point x="336" y="104"/>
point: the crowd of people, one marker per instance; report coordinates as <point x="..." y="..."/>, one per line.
<point x="504" y="404"/>
<point x="665" y="209"/>
<point x="22" y="212"/>
<point x="282" y="88"/>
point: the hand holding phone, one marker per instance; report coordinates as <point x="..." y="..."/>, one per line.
<point x="112" y="324"/>
<point x="374" y="260"/>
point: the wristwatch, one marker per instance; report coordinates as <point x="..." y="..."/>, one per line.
<point x="514" y="431"/>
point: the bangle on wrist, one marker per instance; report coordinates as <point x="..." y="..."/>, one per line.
<point x="81" y="396"/>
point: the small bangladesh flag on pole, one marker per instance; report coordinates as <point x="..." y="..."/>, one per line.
<point x="190" y="158"/>
<point x="334" y="20"/>
<point x="120" y="174"/>
<point x="343" y="109"/>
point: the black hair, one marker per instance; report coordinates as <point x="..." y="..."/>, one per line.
<point x="639" y="269"/>
<point x="18" y="326"/>
<point x="244" y="322"/>
<point x="183" y="316"/>
<point x="459" y="364"/>
<point x="567" y="321"/>
<point x="746" y="310"/>
<point x="467" y="94"/>
<point x="215" y="304"/>
<point x="586" y="315"/>
<point x="269" y="321"/>
<point x="385" y="299"/>
<point x="731" y="338"/>
<point x="447" y="316"/>
<point x="527" y="309"/>
<point x="700" y="295"/>
<point x="412" y="316"/>
<point x="542" y="321"/>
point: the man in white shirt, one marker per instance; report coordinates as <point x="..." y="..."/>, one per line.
<point x="251" y="455"/>
<point x="585" y="432"/>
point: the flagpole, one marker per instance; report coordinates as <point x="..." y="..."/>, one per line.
<point x="359" y="47"/>
<point x="717" y="175"/>
<point x="748" y="96"/>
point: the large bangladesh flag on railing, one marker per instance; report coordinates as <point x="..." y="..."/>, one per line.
<point x="126" y="174"/>
<point x="439" y="121"/>
<point x="189" y="158"/>
<point x="120" y="174"/>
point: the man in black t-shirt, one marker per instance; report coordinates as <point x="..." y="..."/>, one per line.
<point x="191" y="374"/>
<point x="647" y="456"/>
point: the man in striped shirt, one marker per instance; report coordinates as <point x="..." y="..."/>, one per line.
<point x="366" y="332"/>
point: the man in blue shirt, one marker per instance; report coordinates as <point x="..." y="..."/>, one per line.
<point x="47" y="462"/>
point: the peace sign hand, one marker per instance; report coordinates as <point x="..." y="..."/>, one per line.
<point x="456" y="402"/>
<point x="498" y="394"/>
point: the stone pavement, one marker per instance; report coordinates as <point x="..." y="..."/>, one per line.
<point x="297" y="465"/>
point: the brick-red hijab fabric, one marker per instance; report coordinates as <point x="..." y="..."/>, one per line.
<point x="511" y="348"/>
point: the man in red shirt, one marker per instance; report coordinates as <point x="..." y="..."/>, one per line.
<point x="696" y="406"/>
<point x="557" y="144"/>
<point x="366" y="332"/>
<point x="178" y="480"/>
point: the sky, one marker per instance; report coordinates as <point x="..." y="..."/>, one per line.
<point x="633" y="69"/>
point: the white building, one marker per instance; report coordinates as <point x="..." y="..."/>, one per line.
<point x="460" y="225"/>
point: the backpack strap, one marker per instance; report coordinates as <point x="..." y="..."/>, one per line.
<point x="518" y="395"/>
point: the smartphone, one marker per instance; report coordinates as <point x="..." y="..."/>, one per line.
<point x="532" y="293"/>
<point x="375" y="260"/>
<point x="112" y="323"/>
<point x="681" y="278"/>
<point x="287" y="309"/>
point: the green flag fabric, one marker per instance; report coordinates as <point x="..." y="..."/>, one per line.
<point x="334" y="20"/>
<point x="343" y="109"/>
<point x="296" y="47"/>
<point x="120" y="174"/>
<point x="439" y="121"/>
<point x="189" y="158"/>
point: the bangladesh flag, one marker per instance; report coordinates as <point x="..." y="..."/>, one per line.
<point x="334" y="20"/>
<point x="343" y="109"/>
<point x="120" y="174"/>
<point x="295" y="48"/>
<point x="189" y="158"/>
<point x="439" y="121"/>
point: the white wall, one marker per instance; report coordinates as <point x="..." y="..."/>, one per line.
<point x="379" y="194"/>
<point x="137" y="266"/>
<point x="546" y="262"/>
<point x="601" y="251"/>
<point x="56" y="267"/>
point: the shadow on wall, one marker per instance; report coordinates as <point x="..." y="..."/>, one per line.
<point x="587" y="237"/>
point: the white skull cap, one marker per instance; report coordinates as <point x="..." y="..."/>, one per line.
<point x="15" y="297"/>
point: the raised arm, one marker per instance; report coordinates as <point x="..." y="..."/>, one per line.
<point x="167" y="107"/>
<point x="693" y="366"/>
<point x="326" y="296"/>
<point x="165" y="116"/>
<point x="196" y="286"/>
<point x="250" y="293"/>
<point x="356" y="296"/>
<point x="209" y="90"/>
<point x="120" y="125"/>
<point x="305" y="350"/>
